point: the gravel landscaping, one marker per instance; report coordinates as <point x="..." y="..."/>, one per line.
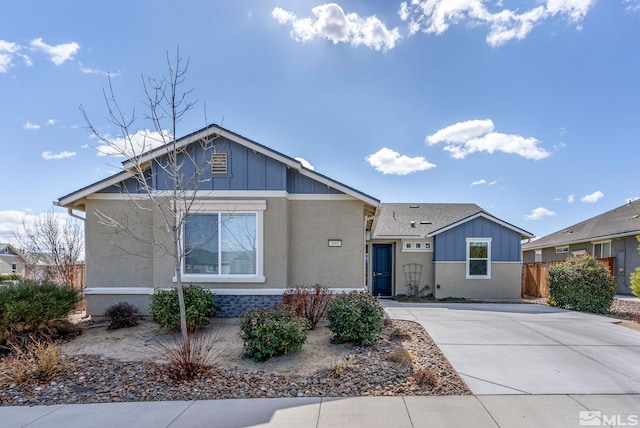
<point x="405" y="361"/>
<point x="623" y="309"/>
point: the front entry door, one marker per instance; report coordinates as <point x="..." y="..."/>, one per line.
<point x="382" y="269"/>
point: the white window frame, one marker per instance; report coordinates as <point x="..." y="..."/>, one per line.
<point x="488" y="258"/>
<point x="231" y="207"/>
<point x="562" y="250"/>
<point x="14" y="267"/>
<point x="601" y="243"/>
<point x="538" y="256"/>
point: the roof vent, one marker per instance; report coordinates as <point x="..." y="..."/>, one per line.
<point x="425" y="222"/>
<point x="219" y="163"/>
<point x="412" y="223"/>
<point x="414" y="206"/>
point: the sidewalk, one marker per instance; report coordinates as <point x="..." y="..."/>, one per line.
<point x="520" y="411"/>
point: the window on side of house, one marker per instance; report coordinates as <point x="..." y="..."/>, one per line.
<point x="222" y="244"/>
<point x="602" y="250"/>
<point x="538" y="256"/>
<point x="14" y="267"/>
<point x="415" y="246"/>
<point x="562" y="250"/>
<point x="478" y="258"/>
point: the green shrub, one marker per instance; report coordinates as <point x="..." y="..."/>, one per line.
<point x="309" y="302"/>
<point x="582" y="284"/>
<point x="35" y="310"/>
<point x="269" y="332"/>
<point x="199" y="307"/>
<point x="122" y="315"/>
<point x="355" y="317"/>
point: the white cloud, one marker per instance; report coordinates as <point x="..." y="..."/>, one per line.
<point x="57" y="156"/>
<point x="632" y="5"/>
<point x="133" y="145"/>
<point x="539" y="213"/>
<point x="464" y="138"/>
<point x="571" y="198"/>
<point x="89" y="70"/>
<point x="631" y="199"/>
<point x="58" y="54"/>
<point x="30" y="125"/>
<point x="9" y="50"/>
<point x="51" y="122"/>
<point x="330" y="22"/>
<point x="436" y="16"/>
<point x="493" y="182"/>
<point x="305" y="163"/>
<point x="591" y="198"/>
<point x="10" y="221"/>
<point x="478" y="182"/>
<point x="388" y="161"/>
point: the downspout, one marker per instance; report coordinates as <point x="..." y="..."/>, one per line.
<point x="72" y="214"/>
<point x="365" y="274"/>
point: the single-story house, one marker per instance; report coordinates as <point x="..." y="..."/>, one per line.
<point x="11" y="261"/>
<point x="448" y="250"/>
<point x="260" y="222"/>
<point x="609" y="235"/>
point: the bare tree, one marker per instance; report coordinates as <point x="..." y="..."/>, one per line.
<point x="165" y="106"/>
<point x="52" y="247"/>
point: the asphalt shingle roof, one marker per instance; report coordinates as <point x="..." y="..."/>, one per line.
<point x="395" y="219"/>
<point x="621" y="221"/>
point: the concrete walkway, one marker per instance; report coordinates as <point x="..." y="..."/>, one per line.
<point x="582" y="367"/>
<point x="493" y="411"/>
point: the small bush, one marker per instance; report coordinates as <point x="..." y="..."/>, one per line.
<point x="355" y="317"/>
<point x="188" y="359"/>
<point x="309" y="302"/>
<point x="401" y="357"/>
<point x="199" y="307"/>
<point x="30" y="308"/>
<point x="36" y="360"/>
<point x="425" y="377"/>
<point x="635" y="282"/>
<point x="122" y="315"/>
<point x="582" y="284"/>
<point x="269" y="332"/>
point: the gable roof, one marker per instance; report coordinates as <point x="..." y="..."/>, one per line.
<point x="14" y="251"/>
<point x="71" y="199"/>
<point x="617" y="223"/>
<point x="429" y="219"/>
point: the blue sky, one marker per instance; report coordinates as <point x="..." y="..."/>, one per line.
<point x="529" y="108"/>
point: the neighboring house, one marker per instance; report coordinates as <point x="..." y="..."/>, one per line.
<point x="458" y="250"/>
<point x="262" y="222"/>
<point x="11" y="261"/>
<point x="609" y="235"/>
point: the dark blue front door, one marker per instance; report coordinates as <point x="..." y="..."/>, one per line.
<point x="382" y="262"/>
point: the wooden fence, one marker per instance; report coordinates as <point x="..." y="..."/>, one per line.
<point x="535" y="276"/>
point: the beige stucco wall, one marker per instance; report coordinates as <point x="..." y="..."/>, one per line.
<point x="311" y="260"/>
<point x="505" y="282"/>
<point x="403" y="258"/>
<point x="115" y="258"/>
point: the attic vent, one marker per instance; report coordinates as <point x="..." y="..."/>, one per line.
<point x="219" y="163"/>
<point x="414" y="206"/>
<point x="424" y="222"/>
<point x="412" y="223"/>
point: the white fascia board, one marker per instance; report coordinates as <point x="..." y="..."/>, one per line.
<point x="488" y="217"/>
<point x="69" y="201"/>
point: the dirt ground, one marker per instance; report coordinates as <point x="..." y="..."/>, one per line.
<point x="145" y="343"/>
<point x="630" y="324"/>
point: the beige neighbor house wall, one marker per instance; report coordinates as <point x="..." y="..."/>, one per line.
<point x="6" y="260"/>
<point x="504" y="283"/>
<point x="312" y="223"/>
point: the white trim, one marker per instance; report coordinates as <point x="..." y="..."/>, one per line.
<point x="210" y="194"/>
<point x="223" y="279"/>
<point x="228" y="206"/>
<point x="148" y="291"/>
<point x="561" y="249"/>
<point x="118" y="178"/>
<point x="319" y="197"/>
<point x="488" y="258"/>
<point x="340" y="187"/>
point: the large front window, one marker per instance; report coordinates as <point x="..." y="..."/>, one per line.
<point x="220" y="243"/>
<point x="478" y="258"/>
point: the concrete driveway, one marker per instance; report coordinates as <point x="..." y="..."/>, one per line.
<point x="530" y="349"/>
